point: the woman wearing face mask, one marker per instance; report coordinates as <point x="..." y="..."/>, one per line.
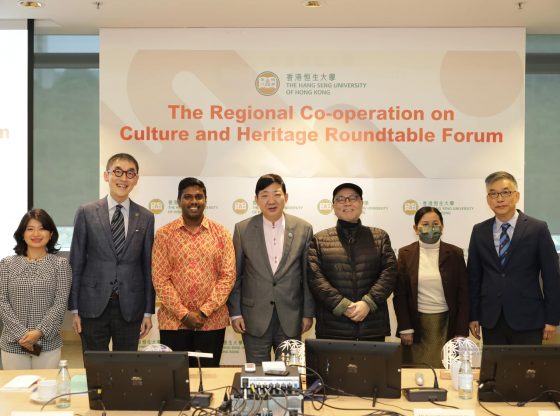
<point x="431" y="299"/>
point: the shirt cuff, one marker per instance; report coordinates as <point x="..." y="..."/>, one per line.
<point x="233" y="318"/>
<point x="372" y="305"/>
<point x="341" y="307"/>
<point x="407" y="331"/>
<point x="147" y="315"/>
<point x="74" y="311"/>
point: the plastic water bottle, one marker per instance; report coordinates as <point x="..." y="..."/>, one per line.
<point x="63" y="385"/>
<point x="465" y="377"/>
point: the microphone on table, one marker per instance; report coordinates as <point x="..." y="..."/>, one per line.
<point x="200" y="398"/>
<point x="424" y="394"/>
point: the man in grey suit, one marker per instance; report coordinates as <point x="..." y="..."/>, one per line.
<point x="271" y="301"/>
<point x="112" y="296"/>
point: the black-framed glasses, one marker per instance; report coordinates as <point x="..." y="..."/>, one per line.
<point x="130" y="174"/>
<point x="342" y="199"/>
<point x="503" y="194"/>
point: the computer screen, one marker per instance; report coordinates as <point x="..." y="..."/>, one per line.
<point x="138" y="380"/>
<point x="518" y="373"/>
<point x="361" y="368"/>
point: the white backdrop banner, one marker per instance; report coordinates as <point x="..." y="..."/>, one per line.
<point x="414" y="116"/>
<point x="13" y="130"/>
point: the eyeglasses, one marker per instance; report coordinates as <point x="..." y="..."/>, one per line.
<point x="130" y="174"/>
<point x="503" y="194"/>
<point x="342" y="199"/>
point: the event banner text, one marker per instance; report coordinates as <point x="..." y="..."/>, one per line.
<point x="305" y="124"/>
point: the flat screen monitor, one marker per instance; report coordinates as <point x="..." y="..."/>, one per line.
<point x="361" y="368"/>
<point x="137" y="380"/>
<point x="518" y="373"/>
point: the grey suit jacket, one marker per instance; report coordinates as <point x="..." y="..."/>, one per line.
<point x="257" y="290"/>
<point x="95" y="263"/>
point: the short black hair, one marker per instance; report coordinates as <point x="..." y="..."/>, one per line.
<point x="124" y="156"/>
<point x="266" y="180"/>
<point x="349" y="185"/>
<point x="423" y="211"/>
<point x="496" y="176"/>
<point x="48" y="224"/>
<point x="185" y="183"/>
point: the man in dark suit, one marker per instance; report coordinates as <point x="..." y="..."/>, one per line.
<point x="507" y="254"/>
<point x="112" y="296"/>
<point x="270" y="302"/>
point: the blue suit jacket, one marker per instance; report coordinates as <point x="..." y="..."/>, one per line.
<point x="514" y="288"/>
<point x="95" y="263"/>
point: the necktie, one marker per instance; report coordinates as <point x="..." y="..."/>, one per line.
<point x="504" y="243"/>
<point x="117" y="228"/>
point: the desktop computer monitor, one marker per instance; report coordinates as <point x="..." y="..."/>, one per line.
<point x="137" y="380"/>
<point x="361" y="368"/>
<point x="519" y="373"/>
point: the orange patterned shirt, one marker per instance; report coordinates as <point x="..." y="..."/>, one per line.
<point x="193" y="271"/>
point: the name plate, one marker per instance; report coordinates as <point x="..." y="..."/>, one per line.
<point x="444" y="412"/>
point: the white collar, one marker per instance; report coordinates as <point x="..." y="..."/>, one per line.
<point x="112" y="203"/>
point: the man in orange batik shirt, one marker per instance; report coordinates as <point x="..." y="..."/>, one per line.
<point x="193" y="270"/>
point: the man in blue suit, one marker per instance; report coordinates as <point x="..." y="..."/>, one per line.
<point x="112" y="296"/>
<point x="509" y="256"/>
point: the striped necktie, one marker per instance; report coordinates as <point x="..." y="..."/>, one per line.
<point x="117" y="228"/>
<point x="504" y="243"/>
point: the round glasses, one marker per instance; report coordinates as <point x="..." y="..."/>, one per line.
<point x="130" y="174"/>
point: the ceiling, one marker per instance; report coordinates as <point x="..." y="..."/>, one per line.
<point x="85" y="17"/>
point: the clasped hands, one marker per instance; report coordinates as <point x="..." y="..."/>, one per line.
<point x="357" y="311"/>
<point x="30" y="338"/>
<point x="194" y="320"/>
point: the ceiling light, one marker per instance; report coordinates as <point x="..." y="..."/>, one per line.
<point x="31" y="4"/>
<point x="312" y="4"/>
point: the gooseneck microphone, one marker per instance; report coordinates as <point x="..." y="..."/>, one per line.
<point x="424" y="394"/>
<point x="200" y="398"/>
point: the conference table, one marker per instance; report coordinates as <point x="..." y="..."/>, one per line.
<point x="217" y="379"/>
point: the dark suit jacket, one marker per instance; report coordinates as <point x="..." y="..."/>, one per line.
<point x="257" y="290"/>
<point x="455" y="288"/>
<point x="95" y="263"/>
<point x="515" y="288"/>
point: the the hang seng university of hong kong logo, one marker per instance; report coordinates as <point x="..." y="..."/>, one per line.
<point x="267" y="83"/>
<point x="156" y="206"/>
<point x="240" y="206"/>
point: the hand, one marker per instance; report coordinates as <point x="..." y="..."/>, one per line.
<point x="194" y="320"/>
<point x="306" y="324"/>
<point x="357" y="311"/>
<point x="548" y="332"/>
<point x="474" y="327"/>
<point x="407" y="339"/>
<point x="145" y="326"/>
<point x="30" y="338"/>
<point x="77" y="323"/>
<point x="238" y="325"/>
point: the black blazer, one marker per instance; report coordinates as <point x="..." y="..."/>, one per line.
<point x="515" y="288"/>
<point x="455" y="288"/>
